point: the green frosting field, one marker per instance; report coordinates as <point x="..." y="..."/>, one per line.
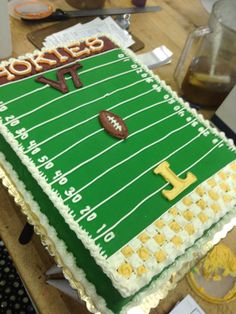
<point x="73" y="152"/>
<point x="83" y="259"/>
<point x="108" y="184"/>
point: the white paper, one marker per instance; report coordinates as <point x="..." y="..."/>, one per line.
<point x="187" y="306"/>
<point x="156" y="58"/>
<point x="63" y="286"/>
<point x="227" y="111"/>
<point x="96" y="26"/>
<point x="53" y="270"/>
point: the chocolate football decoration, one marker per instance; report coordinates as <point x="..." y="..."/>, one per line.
<point x="113" y="124"/>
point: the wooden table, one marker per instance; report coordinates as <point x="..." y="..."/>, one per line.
<point x="169" y="27"/>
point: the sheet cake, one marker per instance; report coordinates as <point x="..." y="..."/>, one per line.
<point x="127" y="180"/>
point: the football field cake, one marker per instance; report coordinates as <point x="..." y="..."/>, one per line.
<point x="126" y="179"/>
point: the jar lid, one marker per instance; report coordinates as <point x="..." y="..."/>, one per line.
<point x="31" y="9"/>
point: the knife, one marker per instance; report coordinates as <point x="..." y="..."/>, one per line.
<point x="59" y="15"/>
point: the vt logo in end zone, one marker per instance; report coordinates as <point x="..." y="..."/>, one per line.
<point x="61" y="83"/>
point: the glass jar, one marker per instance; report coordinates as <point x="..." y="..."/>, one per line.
<point x="211" y="73"/>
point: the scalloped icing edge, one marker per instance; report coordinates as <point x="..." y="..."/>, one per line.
<point x="89" y="243"/>
<point x="76" y="276"/>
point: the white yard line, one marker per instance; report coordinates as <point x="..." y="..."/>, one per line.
<point x="141" y="175"/>
<point x="153" y="194"/>
<point x="81" y="106"/>
<point x="68" y="94"/>
<point x="60" y="67"/>
<point x="67" y="78"/>
<point x="127" y="159"/>
<point x="112" y="146"/>
<point x="26" y="94"/>
<point x="82" y="122"/>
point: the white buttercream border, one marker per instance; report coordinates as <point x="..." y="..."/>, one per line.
<point x="168" y="280"/>
<point x="95" y="250"/>
<point x="147" y="299"/>
<point x="173" y="251"/>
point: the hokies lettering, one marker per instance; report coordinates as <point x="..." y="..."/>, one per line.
<point x="42" y="61"/>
